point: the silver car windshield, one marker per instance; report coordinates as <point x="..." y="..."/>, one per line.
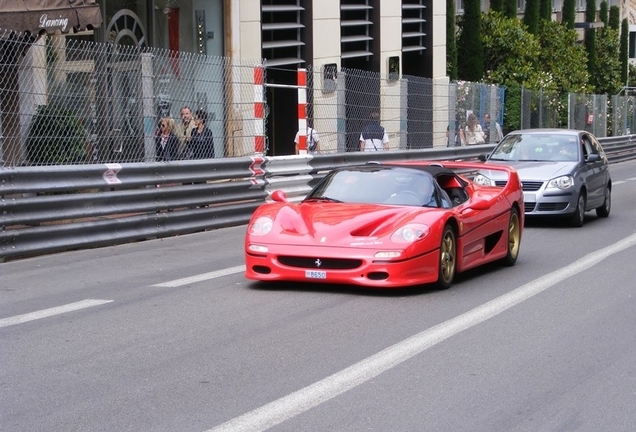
<point x="539" y="147"/>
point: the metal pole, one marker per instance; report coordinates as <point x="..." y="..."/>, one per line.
<point x="259" y="111"/>
<point x="341" y="112"/>
<point x="148" y="111"/>
<point x="302" y="111"/>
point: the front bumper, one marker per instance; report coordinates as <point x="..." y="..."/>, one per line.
<point x="305" y="264"/>
<point x="552" y="202"/>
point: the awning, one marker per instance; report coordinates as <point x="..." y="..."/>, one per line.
<point x="39" y="16"/>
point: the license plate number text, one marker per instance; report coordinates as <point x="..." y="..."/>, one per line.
<point x="315" y="274"/>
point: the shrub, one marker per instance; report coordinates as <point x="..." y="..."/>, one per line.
<point x="56" y="137"/>
<point x="512" y="112"/>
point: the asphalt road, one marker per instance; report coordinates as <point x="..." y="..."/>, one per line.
<point x="167" y="335"/>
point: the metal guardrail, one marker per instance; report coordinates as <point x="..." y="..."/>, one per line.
<point x="59" y="208"/>
<point x="619" y="149"/>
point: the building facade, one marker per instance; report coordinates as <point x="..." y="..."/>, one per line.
<point x="379" y="36"/>
<point x="327" y="37"/>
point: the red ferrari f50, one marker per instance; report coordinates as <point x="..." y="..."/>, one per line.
<point x="387" y="225"/>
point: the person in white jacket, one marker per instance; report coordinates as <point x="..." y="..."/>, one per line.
<point x="313" y="141"/>
<point x="473" y="132"/>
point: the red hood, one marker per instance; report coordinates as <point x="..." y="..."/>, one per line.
<point x="333" y="224"/>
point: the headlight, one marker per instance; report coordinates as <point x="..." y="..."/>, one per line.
<point x="261" y="226"/>
<point x="483" y="180"/>
<point x="562" y="182"/>
<point x="410" y="233"/>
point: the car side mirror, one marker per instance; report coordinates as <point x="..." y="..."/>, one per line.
<point x="279" y="196"/>
<point x="479" y="204"/>
<point x="593" y="158"/>
<point x="482" y="157"/>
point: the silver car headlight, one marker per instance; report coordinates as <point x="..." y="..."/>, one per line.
<point x="481" y="179"/>
<point x="563" y="182"/>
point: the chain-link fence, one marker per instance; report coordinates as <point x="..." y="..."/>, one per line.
<point x="541" y="109"/>
<point x="415" y="112"/>
<point x="623" y="116"/>
<point x="484" y="101"/>
<point x="588" y="112"/>
<point x="599" y="114"/>
<point x="341" y="102"/>
<point x="67" y="101"/>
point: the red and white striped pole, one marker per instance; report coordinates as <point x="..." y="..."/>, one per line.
<point x="259" y="129"/>
<point x="302" y="111"/>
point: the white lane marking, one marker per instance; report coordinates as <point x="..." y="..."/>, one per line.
<point x="19" y="319"/>
<point x="282" y="409"/>
<point x="619" y="182"/>
<point x="201" y="277"/>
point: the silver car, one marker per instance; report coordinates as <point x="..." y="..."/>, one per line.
<point x="563" y="172"/>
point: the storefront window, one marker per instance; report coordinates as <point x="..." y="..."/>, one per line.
<point x="126" y="22"/>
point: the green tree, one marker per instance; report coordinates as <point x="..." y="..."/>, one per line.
<point x="545" y="10"/>
<point x="552" y="61"/>
<point x="451" y="40"/>
<point x="510" y="8"/>
<point x="590" y="10"/>
<point x="603" y="13"/>
<point x="510" y="51"/>
<point x="568" y="12"/>
<point x="470" y="61"/>
<point x="608" y="64"/>
<point x="497" y="5"/>
<point x="562" y="57"/>
<point x="624" y="52"/>
<point x="631" y="74"/>
<point x="614" y="17"/>
<point x="531" y="16"/>
<point x="512" y="105"/>
<point x="590" y="36"/>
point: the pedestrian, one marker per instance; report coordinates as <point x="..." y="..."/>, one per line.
<point x="166" y="142"/>
<point x="373" y="136"/>
<point x="183" y="130"/>
<point x="313" y="140"/>
<point x="458" y="138"/>
<point x="473" y="131"/>
<point x="201" y="144"/>
<point x="496" y="134"/>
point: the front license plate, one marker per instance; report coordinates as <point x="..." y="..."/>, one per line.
<point x="315" y="274"/>
<point x="529" y="197"/>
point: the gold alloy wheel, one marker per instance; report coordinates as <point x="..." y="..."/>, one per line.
<point x="514" y="235"/>
<point x="447" y="256"/>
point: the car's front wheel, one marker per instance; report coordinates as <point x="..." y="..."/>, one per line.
<point x="604" y="210"/>
<point x="447" y="258"/>
<point x="514" y="238"/>
<point x="577" y="219"/>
